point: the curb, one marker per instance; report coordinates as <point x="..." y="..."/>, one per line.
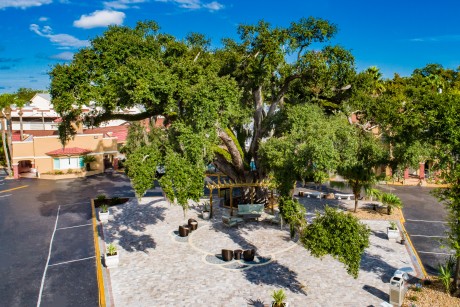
<point x="413" y="252"/>
<point x="100" y="280"/>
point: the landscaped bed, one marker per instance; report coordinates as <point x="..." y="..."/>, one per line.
<point x="430" y="295"/>
<point x="103" y="200"/>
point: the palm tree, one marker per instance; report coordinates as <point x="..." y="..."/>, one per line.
<point x="377" y="83"/>
<point x="373" y="193"/>
<point x="391" y="201"/>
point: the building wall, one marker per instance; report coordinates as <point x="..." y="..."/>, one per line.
<point x="36" y="150"/>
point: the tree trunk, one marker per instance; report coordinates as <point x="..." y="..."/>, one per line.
<point x="456" y="275"/>
<point x="20" y="124"/>
<point x="5" y="149"/>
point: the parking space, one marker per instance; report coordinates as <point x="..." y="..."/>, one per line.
<point x="69" y="278"/>
<point x="425" y="223"/>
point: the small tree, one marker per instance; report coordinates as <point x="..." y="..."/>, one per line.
<point x="293" y="213"/>
<point x="340" y="235"/>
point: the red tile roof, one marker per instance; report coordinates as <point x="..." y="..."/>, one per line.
<point x="75" y="151"/>
<point x="120" y="132"/>
<point x="17" y="134"/>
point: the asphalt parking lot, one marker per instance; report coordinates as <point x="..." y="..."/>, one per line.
<point x="425" y="223"/>
<point x="46" y="239"/>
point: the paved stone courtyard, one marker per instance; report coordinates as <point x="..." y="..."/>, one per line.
<point x="158" y="268"/>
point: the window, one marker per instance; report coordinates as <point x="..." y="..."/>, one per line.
<point x="68" y="162"/>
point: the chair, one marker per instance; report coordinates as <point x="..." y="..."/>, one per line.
<point x="237" y="254"/>
<point x="231" y="221"/>
<point x="192" y="224"/>
<point x="184" y="231"/>
<point x="227" y="254"/>
<point x="248" y="255"/>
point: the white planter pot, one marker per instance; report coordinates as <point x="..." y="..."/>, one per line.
<point x="112" y="261"/>
<point x="393" y="234"/>
<point x="206" y="215"/>
<point x="104" y="216"/>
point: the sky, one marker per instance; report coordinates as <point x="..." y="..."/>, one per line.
<point x="396" y="36"/>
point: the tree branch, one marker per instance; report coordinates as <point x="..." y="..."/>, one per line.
<point x="226" y="167"/>
<point x="237" y="159"/>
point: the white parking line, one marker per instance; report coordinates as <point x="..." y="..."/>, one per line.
<point x="428" y="236"/>
<point x="82" y="202"/>
<point x="408" y="220"/>
<point x="5" y="195"/>
<point x="65" y="262"/>
<point x="433" y="253"/>
<point x="48" y="260"/>
<point x="74" y="226"/>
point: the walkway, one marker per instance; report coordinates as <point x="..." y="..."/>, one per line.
<point x="157" y="268"/>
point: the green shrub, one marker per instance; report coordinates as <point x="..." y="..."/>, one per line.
<point x="101" y="197"/>
<point x="393" y="225"/>
<point x="340" y="235"/>
<point x="279" y="297"/>
<point x="104" y="208"/>
<point x="445" y="274"/>
<point x="111" y="249"/>
<point x="70" y="171"/>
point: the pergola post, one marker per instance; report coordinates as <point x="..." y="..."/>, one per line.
<point x="231" y="201"/>
<point x="210" y="202"/>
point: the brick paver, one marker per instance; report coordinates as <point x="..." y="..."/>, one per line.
<point x="158" y="269"/>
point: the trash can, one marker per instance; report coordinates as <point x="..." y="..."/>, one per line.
<point x="398" y="288"/>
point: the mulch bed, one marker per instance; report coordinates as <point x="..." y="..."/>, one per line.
<point x="110" y="201"/>
<point x="431" y="295"/>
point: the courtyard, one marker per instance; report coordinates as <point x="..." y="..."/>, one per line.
<point x="159" y="268"/>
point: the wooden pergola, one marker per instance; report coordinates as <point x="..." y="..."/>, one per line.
<point x="230" y="185"/>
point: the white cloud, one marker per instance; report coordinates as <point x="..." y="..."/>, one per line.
<point x="65" y="56"/>
<point x="23" y="4"/>
<point x="100" y="19"/>
<point x="214" y="6"/>
<point x="43" y="18"/>
<point x="122" y="4"/>
<point x="62" y="40"/>
<point x="196" y="4"/>
<point x="440" y="38"/>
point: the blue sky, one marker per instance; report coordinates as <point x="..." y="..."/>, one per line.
<point x="396" y="36"/>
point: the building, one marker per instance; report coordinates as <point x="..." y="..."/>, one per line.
<point x="41" y="154"/>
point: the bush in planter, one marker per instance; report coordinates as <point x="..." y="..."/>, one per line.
<point x="393" y="226"/>
<point x="111" y="250"/>
<point x="391" y="201"/>
<point x="87" y="160"/>
<point x="279" y="298"/>
<point x="104" y="208"/>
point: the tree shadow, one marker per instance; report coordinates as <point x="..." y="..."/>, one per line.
<point x="380" y="234"/>
<point x="276" y="275"/>
<point x="377" y="292"/>
<point x="375" y="264"/>
<point x="129" y="222"/>
<point x="256" y="303"/>
<point x="273" y="273"/>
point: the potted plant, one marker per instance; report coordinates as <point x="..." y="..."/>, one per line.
<point x="87" y="160"/>
<point x="206" y="213"/>
<point x="279" y="299"/>
<point x="104" y="213"/>
<point x="392" y="231"/>
<point x="111" y="256"/>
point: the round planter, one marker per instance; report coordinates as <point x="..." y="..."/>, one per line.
<point x="206" y="215"/>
